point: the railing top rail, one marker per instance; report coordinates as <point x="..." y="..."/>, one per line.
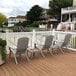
<point x="43" y="32"/>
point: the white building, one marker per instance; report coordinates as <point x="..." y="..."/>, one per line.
<point x="20" y="19"/>
<point x="13" y="20"/>
<point x="69" y="15"/>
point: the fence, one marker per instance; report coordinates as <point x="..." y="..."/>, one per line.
<point x="37" y="37"/>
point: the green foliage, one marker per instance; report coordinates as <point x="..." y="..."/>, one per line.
<point x="56" y="5"/>
<point x="2" y="19"/>
<point x="30" y="29"/>
<point x="2" y="48"/>
<point x="74" y="42"/>
<point x="5" y="24"/>
<point x="75" y="26"/>
<point x="18" y="24"/>
<point x="42" y="22"/>
<point x="26" y="23"/>
<point x="2" y="43"/>
<point x="3" y="53"/>
<point x="37" y="23"/>
<point x="34" y="13"/>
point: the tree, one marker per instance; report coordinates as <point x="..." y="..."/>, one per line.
<point x="34" y="13"/>
<point x="26" y="23"/>
<point x="2" y="19"/>
<point x="56" y="5"/>
<point x="18" y="24"/>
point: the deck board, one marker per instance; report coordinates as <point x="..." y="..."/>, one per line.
<point x="57" y="65"/>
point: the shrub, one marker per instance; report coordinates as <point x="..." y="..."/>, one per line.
<point x="35" y="24"/>
<point x="2" y="48"/>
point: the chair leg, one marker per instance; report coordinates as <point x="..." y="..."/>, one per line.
<point x="50" y="51"/>
<point x="26" y="53"/>
<point x="19" y="55"/>
<point x="32" y="55"/>
<point x="42" y="54"/>
<point x="15" y="59"/>
<point x="61" y="50"/>
<point x="10" y="54"/>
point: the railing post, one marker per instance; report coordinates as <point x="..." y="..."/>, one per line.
<point x="69" y="18"/>
<point x="7" y="49"/>
<point x="51" y="27"/>
<point x="53" y="32"/>
<point x="33" y="38"/>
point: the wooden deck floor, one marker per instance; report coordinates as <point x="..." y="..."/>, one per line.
<point x="57" y="65"/>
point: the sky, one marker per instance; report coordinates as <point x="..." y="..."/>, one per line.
<point x="11" y="8"/>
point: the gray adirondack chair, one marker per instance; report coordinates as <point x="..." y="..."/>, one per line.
<point x="46" y="46"/>
<point x="62" y="44"/>
<point x="21" y="48"/>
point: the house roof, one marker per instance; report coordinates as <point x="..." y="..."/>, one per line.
<point x="11" y="17"/>
<point x="23" y="17"/>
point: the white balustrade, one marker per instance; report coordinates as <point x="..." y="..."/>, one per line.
<point x="68" y="10"/>
<point x="37" y="37"/>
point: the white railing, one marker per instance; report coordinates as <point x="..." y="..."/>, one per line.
<point x="37" y="37"/>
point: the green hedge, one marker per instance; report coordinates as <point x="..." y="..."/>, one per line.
<point x="2" y="48"/>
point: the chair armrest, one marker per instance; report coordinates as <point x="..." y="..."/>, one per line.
<point x="13" y="49"/>
<point x="56" y="41"/>
<point x="39" y="44"/>
<point x="59" y="41"/>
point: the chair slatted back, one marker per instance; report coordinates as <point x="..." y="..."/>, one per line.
<point x="48" y="42"/>
<point x="22" y="44"/>
<point x="66" y="39"/>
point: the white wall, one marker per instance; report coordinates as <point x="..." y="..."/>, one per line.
<point x="74" y="2"/>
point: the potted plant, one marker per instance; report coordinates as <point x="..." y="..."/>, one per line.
<point x="2" y="51"/>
